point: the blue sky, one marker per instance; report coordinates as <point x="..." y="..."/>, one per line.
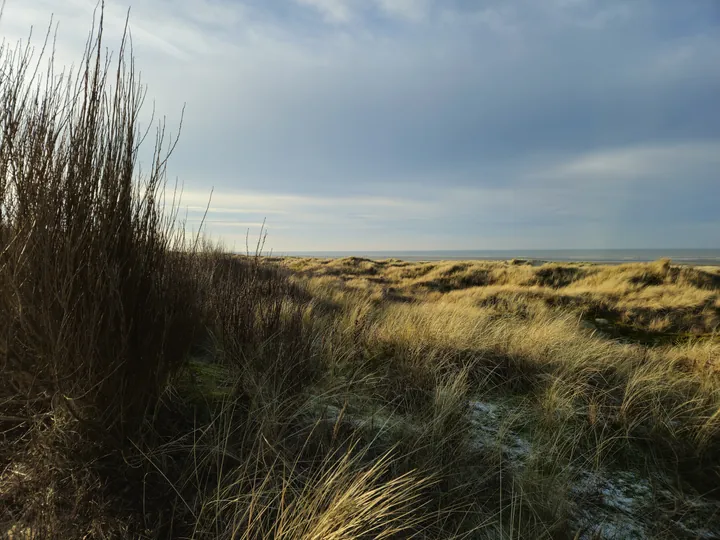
<point x="431" y="124"/>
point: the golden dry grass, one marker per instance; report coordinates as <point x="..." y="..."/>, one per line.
<point x="641" y="388"/>
<point x="655" y="296"/>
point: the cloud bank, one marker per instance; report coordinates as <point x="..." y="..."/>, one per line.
<point x="429" y="124"/>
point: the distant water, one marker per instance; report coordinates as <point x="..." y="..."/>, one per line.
<point x="608" y="256"/>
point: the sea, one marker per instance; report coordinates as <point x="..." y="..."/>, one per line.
<point x="695" y="257"/>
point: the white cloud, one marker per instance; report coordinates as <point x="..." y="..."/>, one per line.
<point x="345" y="11"/>
<point x="233" y="210"/>
<point x="643" y="162"/>
<point x="227" y="223"/>
<point x="589" y="14"/>
<point x="337" y="11"/>
<point x="451" y="129"/>
<point x="278" y="203"/>
<point x="414" y="10"/>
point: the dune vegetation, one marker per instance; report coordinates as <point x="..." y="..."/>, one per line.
<point x="154" y="386"/>
<point x="577" y="377"/>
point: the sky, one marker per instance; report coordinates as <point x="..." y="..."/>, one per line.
<point x="428" y="124"/>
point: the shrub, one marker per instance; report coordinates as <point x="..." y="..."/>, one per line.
<point x="93" y="309"/>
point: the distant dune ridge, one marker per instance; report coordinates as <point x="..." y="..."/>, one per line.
<point x="710" y="257"/>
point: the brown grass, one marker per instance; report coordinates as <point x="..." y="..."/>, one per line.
<point x="589" y="396"/>
<point x="149" y="388"/>
<point x="645" y="296"/>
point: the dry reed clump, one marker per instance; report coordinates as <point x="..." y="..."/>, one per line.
<point x="151" y="385"/>
<point x="96" y="311"/>
<point x="89" y="293"/>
